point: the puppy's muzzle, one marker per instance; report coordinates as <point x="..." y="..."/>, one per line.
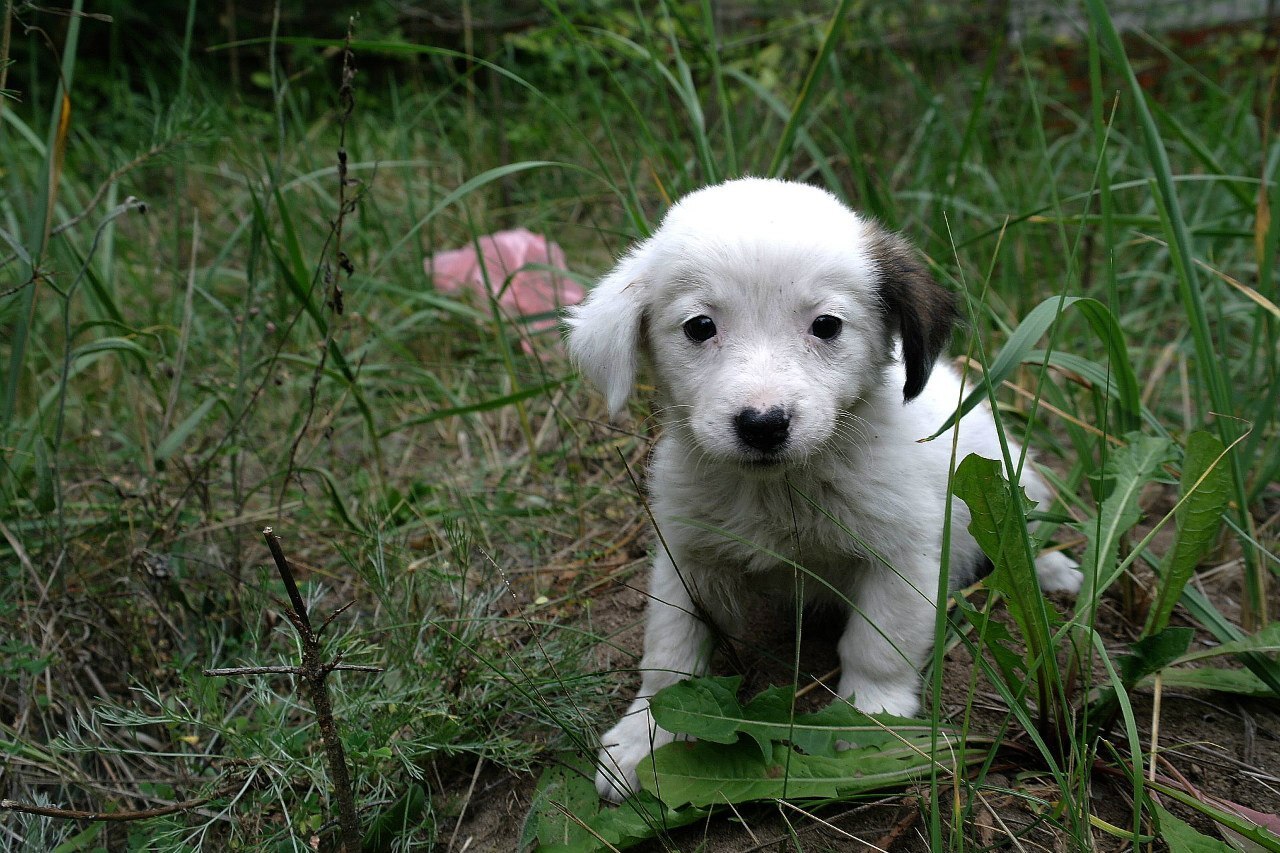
<point x="765" y="431"/>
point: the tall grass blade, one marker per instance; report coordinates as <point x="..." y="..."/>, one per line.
<point x="1208" y="365"/>
<point x="1029" y="332"/>
<point x="41" y="214"/>
<point x="800" y="112"/>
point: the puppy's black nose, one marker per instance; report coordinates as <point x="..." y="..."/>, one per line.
<point x="763" y="431"/>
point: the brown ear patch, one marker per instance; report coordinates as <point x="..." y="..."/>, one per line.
<point x="919" y="309"/>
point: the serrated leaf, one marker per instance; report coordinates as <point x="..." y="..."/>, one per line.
<point x="996" y="639"/>
<point x="998" y="523"/>
<point x="1130" y="468"/>
<point x="708" y="709"/>
<point x="1205" y="488"/>
<point x="980" y="483"/>
<point x="639" y="818"/>
<point x="702" y="773"/>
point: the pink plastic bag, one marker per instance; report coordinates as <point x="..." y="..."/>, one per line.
<point x="521" y="292"/>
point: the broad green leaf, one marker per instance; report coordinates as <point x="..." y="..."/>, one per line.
<point x="770" y="719"/>
<point x="1206" y="486"/>
<point x="708" y="709"/>
<point x="1225" y="817"/>
<point x="1183" y="838"/>
<point x="703" y="774"/>
<point x="567" y="816"/>
<point x="1147" y="656"/>
<point x="1154" y="653"/>
<point x="1266" y="640"/>
<point x="562" y="791"/>
<point x="998" y="523"/>
<point x="1241" y="682"/>
<point x="1130" y="469"/>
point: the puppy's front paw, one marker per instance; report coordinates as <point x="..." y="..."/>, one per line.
<point x="623" y="747"/>
<point x="1058" y="573"/>
<point x="882" y="696"/>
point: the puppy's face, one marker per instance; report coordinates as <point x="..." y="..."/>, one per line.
<point x="765" y="310"/>
<point x="759" y="340"/>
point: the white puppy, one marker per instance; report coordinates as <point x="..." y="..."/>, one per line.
<point x="793" y="346"/>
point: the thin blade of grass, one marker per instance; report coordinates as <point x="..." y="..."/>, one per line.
<point x="1208" y="365"/>
<point x="41" y="214"/>
<point x="799" y="113"/>
<point x="1032" y="328"/>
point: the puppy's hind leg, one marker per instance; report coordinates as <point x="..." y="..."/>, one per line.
<point x="677" y="645"/>
<point x="1058" y="573"/>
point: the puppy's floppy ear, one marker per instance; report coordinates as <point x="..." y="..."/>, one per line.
<point x="604" y="331"/>
<point x="919" y="309"/>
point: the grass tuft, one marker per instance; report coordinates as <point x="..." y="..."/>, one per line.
<point x="263" y="347"/>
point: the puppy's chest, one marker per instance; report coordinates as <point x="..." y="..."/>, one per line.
<point x="761" y="527"/>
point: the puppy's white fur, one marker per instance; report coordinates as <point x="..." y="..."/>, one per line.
<point x="762" y="259"/>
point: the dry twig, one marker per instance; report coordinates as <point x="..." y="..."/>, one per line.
<point x="120" y="817"/>
<point x="313" y="673"/>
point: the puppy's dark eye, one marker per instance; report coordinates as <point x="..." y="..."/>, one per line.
<point x="825" y="327"/>
<point x="700" y="328"/>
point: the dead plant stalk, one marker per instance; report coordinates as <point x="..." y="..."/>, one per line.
<point x="313" y="673"/>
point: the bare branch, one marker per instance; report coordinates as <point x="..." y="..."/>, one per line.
<point x="299" y="607"/>
<point x="286" y="670"/>
<point x="76" y="814"/>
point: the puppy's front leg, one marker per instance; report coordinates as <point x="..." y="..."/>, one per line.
<point x="677" y="645"/>
<point x="888" y="637"/>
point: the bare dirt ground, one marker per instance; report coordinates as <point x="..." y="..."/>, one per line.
<point x="1226" y="746"/>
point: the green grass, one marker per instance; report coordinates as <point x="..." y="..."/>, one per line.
<point x="165" y="399"/>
